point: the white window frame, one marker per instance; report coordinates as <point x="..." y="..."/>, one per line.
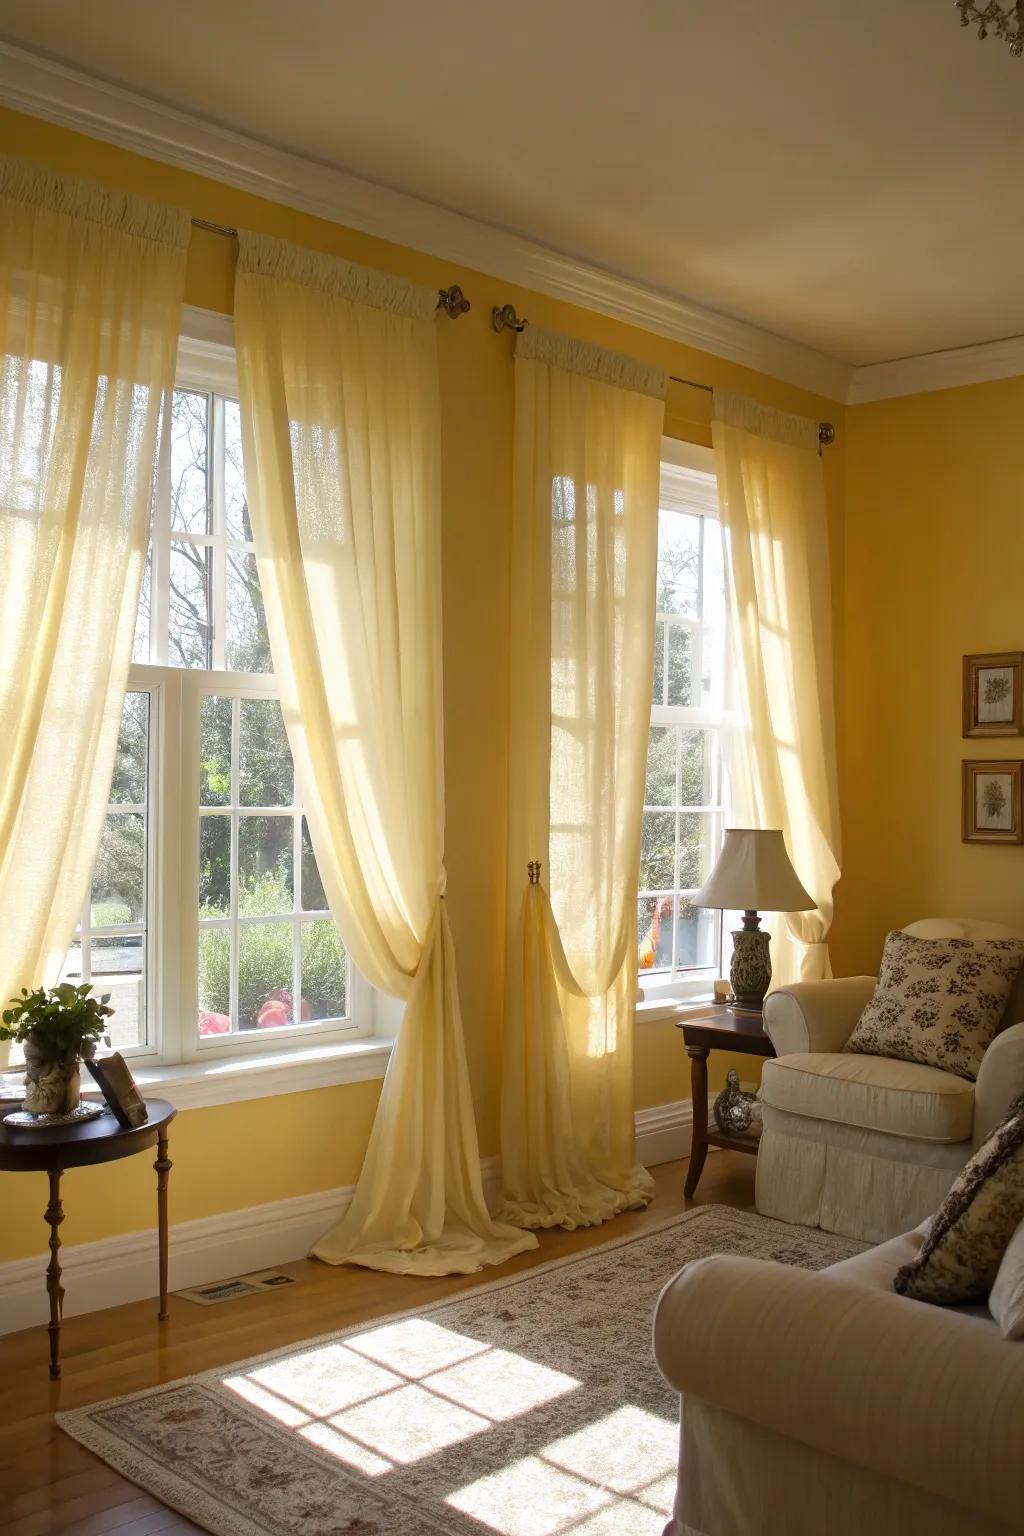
<point x="692" y="984"/>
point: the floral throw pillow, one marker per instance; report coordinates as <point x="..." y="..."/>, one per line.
<point x="938" y="1001"/>
<point x="959" y="1259"/>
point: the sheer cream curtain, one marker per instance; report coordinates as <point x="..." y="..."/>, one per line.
<point x="91" y="285"/>
<point x="587" y="448"/>
<point x="338" y="378"/>
<point x="782" y="753"/>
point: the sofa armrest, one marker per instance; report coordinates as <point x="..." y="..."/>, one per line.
<point x="816" y="1015"/>
<point x="914" y="1392"/>
<point x="1000" y="1080"/>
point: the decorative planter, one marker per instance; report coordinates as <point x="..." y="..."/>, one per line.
<point x="53" y="1084"/>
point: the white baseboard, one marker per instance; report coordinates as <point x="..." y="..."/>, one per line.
<point x="116" y="1270"/>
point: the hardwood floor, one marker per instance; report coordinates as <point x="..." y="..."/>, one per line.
<point x="49" y="1483"/>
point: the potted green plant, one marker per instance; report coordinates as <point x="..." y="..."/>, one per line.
<point x="57" y="1026"/>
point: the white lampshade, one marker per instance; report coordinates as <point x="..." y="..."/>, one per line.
<point x="753" y="874"/>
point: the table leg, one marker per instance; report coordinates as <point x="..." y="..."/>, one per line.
<point x="162" y="1167"/>
<point x="54" y="1217"/>
<point x="698" y="1055"/>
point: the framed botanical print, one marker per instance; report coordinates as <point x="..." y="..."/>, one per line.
<point x="992" y="803"/>
<point x="992" y="694"/>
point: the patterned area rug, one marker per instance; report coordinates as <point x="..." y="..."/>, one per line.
<point x="526" y="1407"/>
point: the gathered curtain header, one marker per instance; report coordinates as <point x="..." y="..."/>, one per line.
<point x="262" y="256"/>
<point x="34" y="186"/>
<point x="573" y="356"/>
<point x="761" y="421"/>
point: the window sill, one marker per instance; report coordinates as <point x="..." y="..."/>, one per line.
<point x="658" y="1009"/>
<point x="202" y="1084"/>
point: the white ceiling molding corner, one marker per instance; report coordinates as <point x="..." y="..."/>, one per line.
<point x="42" y="88"/>
<point x="938" y="370"/>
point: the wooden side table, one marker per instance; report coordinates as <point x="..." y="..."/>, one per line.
<point x="720" y="1028"/>
<point x="102" y="1140"/>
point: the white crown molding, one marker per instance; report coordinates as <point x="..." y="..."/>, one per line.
<point x="116" y="1270"/>
<point x="938" y="370"/>
<point x="58" y="94"/>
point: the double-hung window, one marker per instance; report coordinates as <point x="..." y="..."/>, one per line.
<point x="679" y="945"/>
<point x="207" y="920"/>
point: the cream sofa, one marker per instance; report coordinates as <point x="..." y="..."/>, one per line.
<point x="863" y="1145"/>
<point x="826" y="1405"/>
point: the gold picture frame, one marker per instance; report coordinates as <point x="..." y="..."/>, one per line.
<point x="993" y="806"/>
<point x="993" y="694"/>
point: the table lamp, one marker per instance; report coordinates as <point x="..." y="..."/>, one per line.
<point x="753" y="873"/>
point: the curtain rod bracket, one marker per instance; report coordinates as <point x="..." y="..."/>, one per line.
<point x="506" y="318"/>
<point x="453" y="301"/>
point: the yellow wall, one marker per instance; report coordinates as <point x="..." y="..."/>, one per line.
<point x="313" y="1141"/>
<point x="934" y="563"/>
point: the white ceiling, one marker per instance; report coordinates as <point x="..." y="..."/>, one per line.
<point x="843" y="173"/>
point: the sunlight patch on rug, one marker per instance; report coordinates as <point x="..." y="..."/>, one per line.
<point x="525" y="1407"/>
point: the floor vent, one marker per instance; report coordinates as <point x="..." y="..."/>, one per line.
<point x="242" y="1285"/>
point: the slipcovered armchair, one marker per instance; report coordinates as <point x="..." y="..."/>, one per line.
<point x="862" y="1145"/>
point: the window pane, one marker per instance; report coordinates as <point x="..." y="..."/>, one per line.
<point x="696" y="936"/>
<point x="214" y="750"/>
<point x="678" y="563"/>
<point x="680" y="665"/>
<point x="188" y="625"/>
<point x="119" y="878"/>
<point x="214" y="981"/>
<point x="248" y="648"/>
<point x="661" y="766"/>
<point x="694" y="850"/>
<point x="265" y="761"/>
<point x="657" y="851"/>
<point x="658" y="688"/>
<point x="654" y="933"/>
<point x="71" y="970"/>
<point x="694" y="780"/>
<point x="214" y="866"/>
<point x="190" y="512"/>
<point x="265" y="880"/>
<point x="144" y="617"/>
<point x="118" y="968"/>
<point x="264" y="975"/>
<point x="236" y="506"/>
<point x="313" y="897"/>
<point x="128" y="786"/>
<point x="324" y="971"/>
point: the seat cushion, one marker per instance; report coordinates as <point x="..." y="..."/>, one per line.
<point x="875" y="1092"/>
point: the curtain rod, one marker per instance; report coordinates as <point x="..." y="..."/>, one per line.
<point x="452" y="300"/>
<point x="504" y="318"/>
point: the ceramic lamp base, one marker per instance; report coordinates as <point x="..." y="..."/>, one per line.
<point x="751" y="970"/>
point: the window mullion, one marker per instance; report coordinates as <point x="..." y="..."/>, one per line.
<point x="218" y="530"/>
<point x="233" y="882"/>
<point x="160" y="579"/>
<point x="175" y="833"/>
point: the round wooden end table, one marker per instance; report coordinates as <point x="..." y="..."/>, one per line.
<point x="53" y="1149"/>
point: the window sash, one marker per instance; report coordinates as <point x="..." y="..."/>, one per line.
<point x="173" y="958"/>
<point x="696" y="499"/>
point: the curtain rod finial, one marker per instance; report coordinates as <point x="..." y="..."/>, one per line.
<point x="505" y="318"/>
<point x="453" y="301"/>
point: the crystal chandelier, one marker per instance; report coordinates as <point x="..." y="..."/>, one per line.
<point x="1006" y="22"/>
